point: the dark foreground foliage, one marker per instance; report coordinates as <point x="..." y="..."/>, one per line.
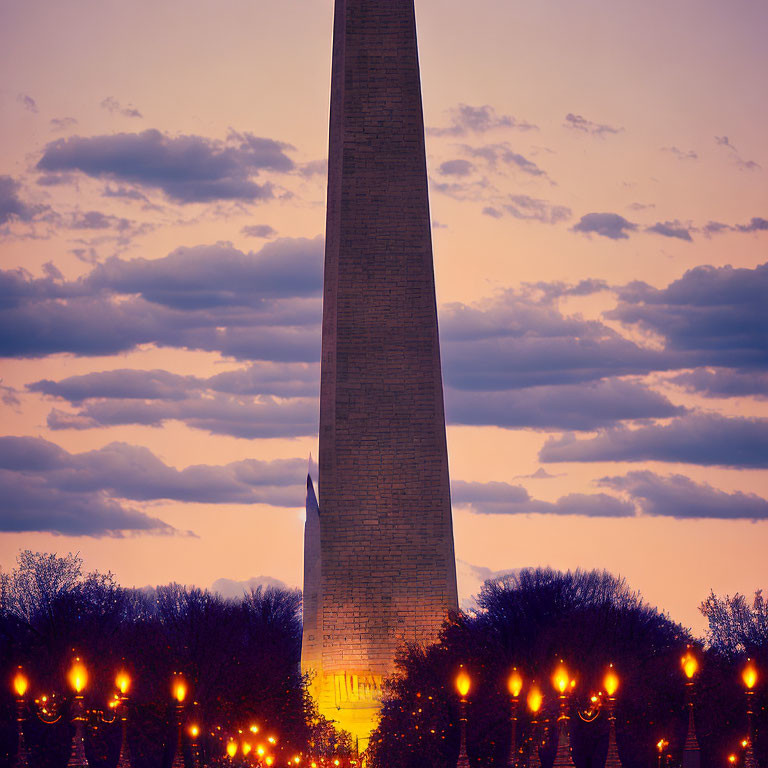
<point x="533" y="619"/>
<point x="239" y="657"/>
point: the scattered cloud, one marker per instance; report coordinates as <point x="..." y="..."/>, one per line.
<point x="27" y="102"/>
<point x="466" y="119"/>
<point x="757" y="224"/>
<point x="724" y="141"/>
<point x="134" y="473"/>
<point x="696" y="438"/>
<point x="456" y="168"/>
<point x="680" y="497"/>
<point x="111" y="104"/>
<point x="587" y="406"/>
<point x="257" y="306"/>
<point x="502" y="154"/>
<point x="187" y="169"/>
<point x="674" y="229"/>
<point x="259" y="230"/>
<point x="720" y="313"/>
<point x="723" y="382"/>
<point x="12" y="207"/>
<point x="579" y="123"/>
<point x="497" y="498"/>
<point x="738" y="160"/>
<point x="62" y="123"/>
<point x="314" y="168"/>
<point x="681" y="154"/>
<point x="528" y="208"/>
<point x="610" y="225"/>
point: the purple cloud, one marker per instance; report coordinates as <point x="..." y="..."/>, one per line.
<point x="456" y="168"/>
<point x="188" y="169"/>
<point x="579" y="123"/>
<point x="497" y="498"/>
<point x="679" y="497"/>
<point x="704" y="439"/>
<point x="672" y="229"/>
<point x="609" y="225"/>
<point x="467" y="119"/>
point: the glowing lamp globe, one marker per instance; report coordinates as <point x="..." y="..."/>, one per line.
<point x="180" y="691"/>
<point x="611" y="681"/>
<point x="123" y="682"/>
<point x="690" y="665"/>
<point x="20" y="684"/>
<point x="270" y="760"/>
<point x="749" y="676"/>
<point x="246" y="749"/>
<point x="78" y="676"/>
<point x="515" y="683"/>
<point x="231" y="749"/>
<point x="194" y="731"/>
<point x="535" y="699"/>
<point x="561" y="679"/>
<point x="463" y="683"/>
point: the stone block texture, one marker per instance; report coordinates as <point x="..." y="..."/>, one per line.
<point x="387" y="565"/>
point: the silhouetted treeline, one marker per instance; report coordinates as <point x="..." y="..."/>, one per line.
<point x="589" y="620"/>
<point x="240" y="659"/>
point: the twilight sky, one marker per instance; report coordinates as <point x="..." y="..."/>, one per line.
<point x="599" y="190"/>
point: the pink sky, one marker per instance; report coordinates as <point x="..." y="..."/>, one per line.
<point x="594" y="141"/>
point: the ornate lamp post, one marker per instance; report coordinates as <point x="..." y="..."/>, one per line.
<point x="611" y="685"/>
<point x="661" y="745"/>
<point x="123" y="683"/>
<point x="20" y="685"/>
<point x="78" y="679"/>
<point x="515" y="685"/>
<point x="194" y="735"/>
<point x="179" y="690"/>
<point x="534" y="701"/>
<point x="562" y="683"/>
<point x="462" y="686"/>
<point x="691" y="751"/>
<point x="749" y="678"/>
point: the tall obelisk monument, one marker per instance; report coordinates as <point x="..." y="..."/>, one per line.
<point x="386" y="559"/>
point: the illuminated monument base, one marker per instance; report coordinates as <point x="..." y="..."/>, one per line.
<point x="380" y="571"/>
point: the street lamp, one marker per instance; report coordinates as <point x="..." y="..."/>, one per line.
<point x="78" y="679"/>
<point x="463" y="684"/>
<point x="123" y="683"/>
<point x="231" y="749"/>
<point x="515" y="685"/>
<point x="20" y="686"/>
<point x="179" y="691"/>
<point x="534" y="701"/>
<point x="749" y="678"/>
<point x="611" y="685"/>
<point x="691" y="751"/>
<point x="562" y="682"/>
<point x="194" y="734"/>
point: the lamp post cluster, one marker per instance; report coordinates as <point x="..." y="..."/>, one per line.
<point x="564" y="684"/>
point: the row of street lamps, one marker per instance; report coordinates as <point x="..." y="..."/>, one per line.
<point x="564" y="684"/>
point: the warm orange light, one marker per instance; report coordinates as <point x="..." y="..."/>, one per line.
<point x="732" y="759"/>
<point x="123" y="682"/>
<point x="246" y="749"/>
<point x="231" y="749"/>
<point x="535" y="699"/>
<point x="336" y="761"/>
<point x="194" y="731"/>
<point x="78" y="676"/>
<point x="270" y="760"/>
<point x="611" y="681"/>
<point x="463" y="683"/>
<point x="515" y="683"/>
<point x="690" y="665"/>
<point x="744" y="743"/>
<point x="20" y="684"/>
<point x="254" y="728"/>
<point x="179" y="690"/>
<point x="297" y="760"/>
<point x="260" y="751"/>
<point x="749" y="675"/>
<point x="561" y="678"/>
<point x="272" y="740"/>
<point x="662" y="745"/>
